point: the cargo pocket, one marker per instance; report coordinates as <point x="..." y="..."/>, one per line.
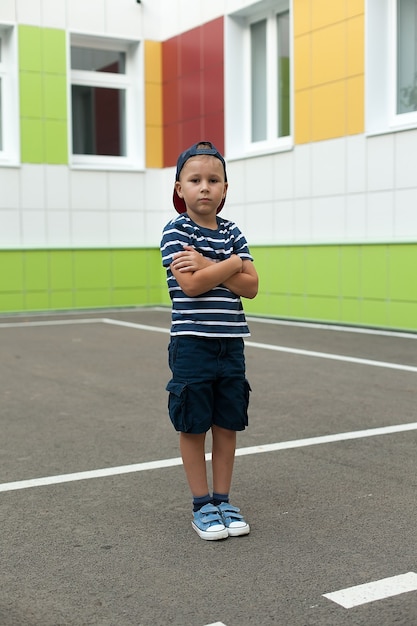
<point x="177" y="404"/>
<point x="248" y="389"/>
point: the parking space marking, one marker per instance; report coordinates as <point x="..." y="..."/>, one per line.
<point x="251" y="344"/>
<point x="163" y="463"/>
<point x="377" y="590"/>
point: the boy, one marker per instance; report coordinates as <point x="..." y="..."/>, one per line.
<point x="209" y="267"/>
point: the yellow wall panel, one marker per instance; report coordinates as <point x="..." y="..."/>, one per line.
<point x="302" y="17"/>
<point x="153" y="104"/>
<point x="326" y="12"/>
<point x="328" y="54"/>
<point x="355" y="106"/>
<point x="302" y="62"/>
<point x="356" y="44"/>
<point x="328" y="111"/>
<point x="153" y="61"/>
<point x="154" y="143"/>
<point x="355" y="7"/>
<point x="302" y="107"/>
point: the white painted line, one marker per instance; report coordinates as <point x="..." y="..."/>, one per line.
<point x="313" y="441"/>
<point x="157" y="329"/>
<point x="251" y="344"/>
<point x="216" y="624"/>
<point x="333" y="357"/>
<point x="92" y="320"/>
<point x="378" y="590"/>
<point x="150" y="465"/>
<point x="266" y="346"/>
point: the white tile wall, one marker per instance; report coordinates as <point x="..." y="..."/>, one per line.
<point x="127" y="228"/>
<point x="355" y="217"/>
<point x="33" y="228"/>
<point x="54" y="13"/>
<point x="90" y="229"/>
<point x="302" y="171"/>
<point x="8" y="10"/>
<point x="126" y="191"/>
<point x="327" y="218"/>
<point x="236" y="176"/>
<point x="356" y="163"/>
<point x="10" y="229"/>
<point x="380" y="162"/>
<point x="283" y="175"/>
<point x="258" y="227"/>
<point x="328" y="167"/>
<point x="87" y="17"/>
<point x="9" y="188"/>
<point x="32" y="187"/>
<point x="283" y="221"/>
<point x="57" y="187"/>
<point x="58" y="229"/>
<point x="405" y="215"/>
<point x="259" y="179"/>
<point x="380" y="216"/>
<point x="406" y="159"/>
<point x="124" y="18"/>
<point x="28" y="11"/>
<point x="302" y="220"/>
<point x="89" y="190"/>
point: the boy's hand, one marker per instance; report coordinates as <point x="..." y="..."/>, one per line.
<point x="189" y="260"/>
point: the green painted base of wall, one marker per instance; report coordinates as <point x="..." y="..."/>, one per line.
<point x="39" y="280"/>
<point x="361" y="285"/>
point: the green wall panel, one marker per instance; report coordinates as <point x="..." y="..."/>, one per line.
<point x="364" y="285"/>
<point x="43" y="95"/>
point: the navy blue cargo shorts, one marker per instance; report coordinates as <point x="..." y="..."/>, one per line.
<point x="208" y="384"/>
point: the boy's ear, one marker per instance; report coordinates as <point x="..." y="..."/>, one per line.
<point x="178" y="188"/>
<point x="225" y="189"/>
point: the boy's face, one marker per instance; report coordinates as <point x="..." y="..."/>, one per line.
<point x="202" y="186"/>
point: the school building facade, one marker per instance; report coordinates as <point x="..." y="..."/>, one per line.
<point x="313" y="103"/>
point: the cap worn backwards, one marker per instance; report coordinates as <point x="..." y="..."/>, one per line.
<point x="202" y="147"/>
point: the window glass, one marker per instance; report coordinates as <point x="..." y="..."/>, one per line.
<point x="406" y="56"/>
<point x="92" y="60"/>
<point x="98" y="121"/>
<point x="259" y="81"/>
<point x="283" y="79"/>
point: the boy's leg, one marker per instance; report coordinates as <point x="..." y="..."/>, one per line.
<point x="223" y="456"/>
<point x="207" y="520"/>
<point x="193" y="457"/>
<point x="223" y="452"/>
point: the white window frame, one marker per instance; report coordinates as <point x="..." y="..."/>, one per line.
<point x="10" y="150"/>
<point x="238" y="117"/>
<point x="381" y="70"/>
<point x="132" y="82"/>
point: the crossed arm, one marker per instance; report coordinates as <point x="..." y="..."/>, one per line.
<point x="197" y="274"/>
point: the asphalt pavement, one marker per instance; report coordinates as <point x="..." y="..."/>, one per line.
<point x="95" y="511"/>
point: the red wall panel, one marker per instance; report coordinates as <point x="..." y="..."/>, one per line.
<point x="193" y="90"/>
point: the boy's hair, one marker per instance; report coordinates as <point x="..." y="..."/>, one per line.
<point x="202" y="147"/>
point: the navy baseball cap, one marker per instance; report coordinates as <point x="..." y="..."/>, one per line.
<point x="202" y="147"/>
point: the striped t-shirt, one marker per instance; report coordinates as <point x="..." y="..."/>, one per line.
<point x="218" y="312"/>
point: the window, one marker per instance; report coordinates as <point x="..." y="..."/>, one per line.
<point x="406" y="56"/>
<point x="107" y="113"/>
<point x="258" y="95"/>
<point x="391" y="67"/>
<point x="9" y="140"/>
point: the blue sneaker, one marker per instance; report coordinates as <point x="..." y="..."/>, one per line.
<point x="233" y="520"/>
<point x="208" y="523"/>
